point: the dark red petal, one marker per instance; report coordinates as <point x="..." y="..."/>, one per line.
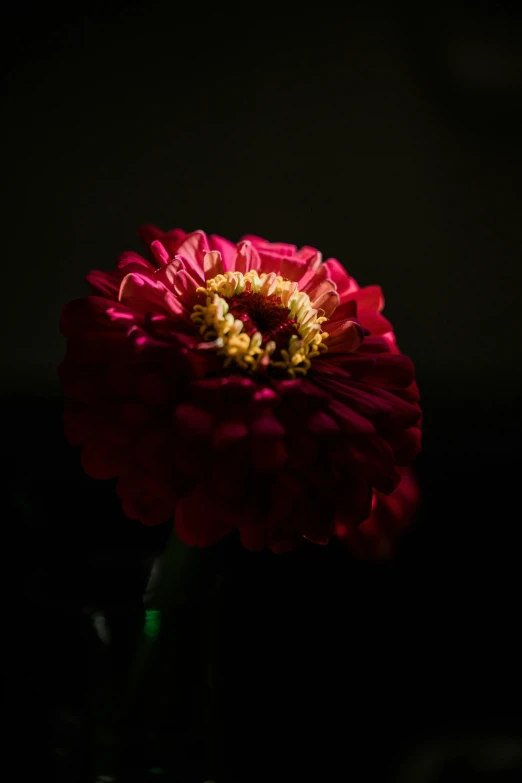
<point x="406" y="444"/>
<point x="360" y="399"/>
<point x="344" y="283"/>
<point x="345" y="310"/>
<point x="192" y="421"/>
<point x="214" y="392"/>
<point x="402" y="413"/>
<point x="169" y="239"/>
<point x="91" y="313"/>
<point x="76" y="420"/>
<point x="199" y="521"/>
<point x="327" y="302"/>
<point x="153" y="388"/>
<point x="369" y="298"/>
<point x="228" y="433"/>
<point x="389" y="371"/>
<point x="281" y="248"/>
<point x="345" y="336"/>
<point x="268" y="445"/>
<point x="102" y="461"/>
<point x="375" y="322"/>
<point x="350" y="420"/>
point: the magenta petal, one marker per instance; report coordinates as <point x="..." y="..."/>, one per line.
<point x="133" y="262"/>
<point x="104" y="283"/>
<point x="167" y="274"/>
<point x="265" y="398"/>
<point x="226" y="248"/>
<point x="142" y="294"/>
<point x="169" y="239"/>
<point x="247" y="258"/>
<point x="345" y="310"/>
<point x="375" y="322"/>
<point x="173" y="304"/>
<point x="312" y="279"/>
<point x="293" y="269"/>
<point x="327" y="302"/>
<point x="318" y="288"/>
<point x="148" y="233"/>
<point x="193" y="248"/>
<point x="186" y="288"/>
<point x="279" y="248"/>
<point x="346" y="336"/>
<point x="370" y="298"/>
<point x="159" y="252"/>
<point x="344" y="283"/>
<point x="212" y="264"/>
<point x="310" y="255"/>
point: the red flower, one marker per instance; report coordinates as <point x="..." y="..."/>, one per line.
<point x="375" y="537"/>
<point x="249" y="386"/>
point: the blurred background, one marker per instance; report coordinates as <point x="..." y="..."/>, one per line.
<point x="390" y="138"/>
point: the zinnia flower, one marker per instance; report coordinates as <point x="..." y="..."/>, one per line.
<point x="248" y="386"/>
<point x="375" y="538"/>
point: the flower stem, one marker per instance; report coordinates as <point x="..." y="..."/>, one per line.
<point x="173" y="678"/>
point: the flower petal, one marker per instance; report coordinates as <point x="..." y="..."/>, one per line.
<point x="345" y="284"/>
<point x="212" y="264"/>
<point x="369" y="298"/>
<point x="159" y="252"/>
<point x="346" y="336"/>
<point x="133" y="262"/>
<point x="327" y="302"/>
<point x="226" y="248"/>
<point x="199" y="523"/>
<point x="229" y="432"/>
<point x="247" y="258"/>
<point x="268" y="445"/>
<point x="193" y="249"/>
<point x="143" y="294"/>
<point x="104" y="283"/>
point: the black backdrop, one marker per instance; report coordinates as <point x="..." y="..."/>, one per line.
<point x="390" y="139"/>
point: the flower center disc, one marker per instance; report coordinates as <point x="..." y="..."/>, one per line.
<point x="259" y="323"/>
<point x="264" y="314"/>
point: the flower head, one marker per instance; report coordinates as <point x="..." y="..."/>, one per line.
<point x="248" y="386"/>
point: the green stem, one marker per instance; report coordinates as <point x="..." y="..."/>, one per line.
<point x="175" y="564"/>
<point x="163" y="680"/>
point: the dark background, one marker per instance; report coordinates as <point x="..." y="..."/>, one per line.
<point x="388" y="138"/>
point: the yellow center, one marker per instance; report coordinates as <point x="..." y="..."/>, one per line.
<point x="224" y="333"/>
